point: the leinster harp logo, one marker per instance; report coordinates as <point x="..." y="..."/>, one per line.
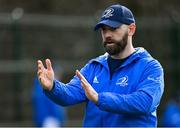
<point x="123" y="81"/>
<point x="108" y="13"/>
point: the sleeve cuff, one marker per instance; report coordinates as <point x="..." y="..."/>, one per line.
<point x="101" y="99"/>
<point x="53" y="90"/>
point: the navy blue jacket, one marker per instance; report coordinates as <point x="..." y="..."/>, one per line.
<point x="130" y="98"/>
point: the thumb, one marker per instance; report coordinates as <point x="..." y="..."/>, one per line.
<point x="48" y="64"/>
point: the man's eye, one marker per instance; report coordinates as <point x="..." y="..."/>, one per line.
<point x="108" y="29"/>
<point x="103" y="29"/>
<point x="113" y="29"/>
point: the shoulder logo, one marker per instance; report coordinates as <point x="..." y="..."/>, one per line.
<point x="108" y="13"/>
<point x="95" y="80"/>
<point x="123" y="81"/>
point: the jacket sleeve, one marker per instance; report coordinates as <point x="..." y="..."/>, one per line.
<point x="144" y="100"/>
<point x="70" y="93"/>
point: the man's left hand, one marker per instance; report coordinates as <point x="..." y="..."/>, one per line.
<point x="89" y="90"/>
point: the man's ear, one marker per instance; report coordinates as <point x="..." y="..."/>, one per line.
<point x="131" y="29"/>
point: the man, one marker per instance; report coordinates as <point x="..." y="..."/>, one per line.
<point x="123" y="87"/>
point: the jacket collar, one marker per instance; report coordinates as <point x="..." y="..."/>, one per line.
<point x="138" y="54"/>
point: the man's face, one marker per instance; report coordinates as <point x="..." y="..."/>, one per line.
<point x="114" y="39"/>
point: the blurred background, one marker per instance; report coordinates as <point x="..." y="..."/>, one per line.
<point x="62" y="30"/>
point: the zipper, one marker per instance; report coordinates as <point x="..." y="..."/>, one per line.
<point x="111" y="75"/>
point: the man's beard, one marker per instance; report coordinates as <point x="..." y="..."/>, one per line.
<point x="115" y="47"/>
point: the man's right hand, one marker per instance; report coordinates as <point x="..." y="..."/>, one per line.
<point x="45" y="75"/>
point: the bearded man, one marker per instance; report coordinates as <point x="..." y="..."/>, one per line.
<point x="121" y="88"/>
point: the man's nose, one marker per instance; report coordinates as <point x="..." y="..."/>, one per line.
<point x="107" y="33"/>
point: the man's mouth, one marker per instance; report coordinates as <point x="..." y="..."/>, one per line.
<point x="109" y="42"/>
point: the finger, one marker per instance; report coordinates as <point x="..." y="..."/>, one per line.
<point x="40" y="79"/>
<point x="48" y="64"/>
<point x="86" y="85"/>
<point x="40" y="65"/>
<point x="83" y="86"/>
<point x="39" y="73"/>
<point x="80" y="76"/>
